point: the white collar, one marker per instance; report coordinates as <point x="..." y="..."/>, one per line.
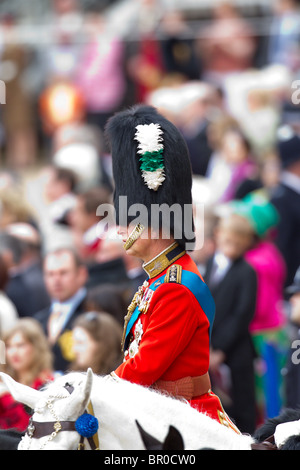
<point x="222" y="261"/>
<point x="73" y="301"/>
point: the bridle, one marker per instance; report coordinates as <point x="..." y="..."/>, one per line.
<point x="37" y="429"/>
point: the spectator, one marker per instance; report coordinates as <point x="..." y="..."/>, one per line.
<point x="232" y="282"/>
<point x="198" y="99"/>
<point x="30" y="268"/>
<point x="11" y="250"/>
<point x="268" y="327"/>
<point x="109" y="262"/>
<point x="14" y="251"/>
<point x="205" y="233"/>
<point x="286" y="199"/>
<point x="178" y="47"/>
<point x="143" y="56"/>
<point x="86" y="224"/>
<point x="14" y="207"/>
<point x="233" y="167"/>
<point x="28" y="361"/>
<point x="97" y="343"/>
<point x="21" y="246"/>
<point x="8" y="312"/>
<point x="113" y="265"/>
<point x="17" y="116"/>
<point x="60" y="193"/>
<point x="101" y="61"/>
<point x="59" y="59"/>
<point x="284" y="34"/>
<point x="261" y="120"/>
<point x="292" y="374"/>
<point x="65" y="279"/>
<point x="111" y="298"/>
<point x="228" y="44"/>
<point x="80" y="147"/>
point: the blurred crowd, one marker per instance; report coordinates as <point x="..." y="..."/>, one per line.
<point x="230" y="86"/>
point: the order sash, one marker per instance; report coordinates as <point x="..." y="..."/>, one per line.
<point x="198" y="288"/>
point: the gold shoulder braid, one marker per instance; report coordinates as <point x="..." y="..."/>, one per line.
<point x="174" y="274"/>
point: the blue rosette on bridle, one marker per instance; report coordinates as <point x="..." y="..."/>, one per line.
<point x="86" y="425"/>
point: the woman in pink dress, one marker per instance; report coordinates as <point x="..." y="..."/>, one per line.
<point x="268" y="325"/>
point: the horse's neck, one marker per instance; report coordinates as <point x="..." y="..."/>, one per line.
<point x="108" y="394"/>
<point x="118" y="404"/>
<point x="109" y="399"/>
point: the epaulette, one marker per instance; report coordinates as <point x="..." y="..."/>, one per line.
<point x="174" y="274"/>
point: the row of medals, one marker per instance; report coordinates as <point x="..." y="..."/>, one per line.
<point x="137" y="301"/>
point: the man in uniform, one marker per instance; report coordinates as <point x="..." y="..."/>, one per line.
<point x="167" y="329"/>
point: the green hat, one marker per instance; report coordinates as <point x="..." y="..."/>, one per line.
<point x="259" y="212"/>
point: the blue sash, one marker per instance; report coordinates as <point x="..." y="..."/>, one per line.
<point x="195" y="284"/>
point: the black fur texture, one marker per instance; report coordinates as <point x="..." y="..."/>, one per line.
<point x="268" y="429"/>
<point x="176" y="189"/>
<point x="10" y="439"/>
<point x="173" y="440"/>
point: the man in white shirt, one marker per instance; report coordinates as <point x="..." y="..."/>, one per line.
<point x="65" y="279"/>
<point x="87" y="226"/>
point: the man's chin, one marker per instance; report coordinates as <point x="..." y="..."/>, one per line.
<point x="60" y="297"/>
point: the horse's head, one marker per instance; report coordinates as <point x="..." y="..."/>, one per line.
<point x="56" y="409"/>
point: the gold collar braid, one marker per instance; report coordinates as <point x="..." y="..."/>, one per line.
<point x="162" y="261"/>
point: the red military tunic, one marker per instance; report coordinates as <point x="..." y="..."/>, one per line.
<point x="170" y="339"/>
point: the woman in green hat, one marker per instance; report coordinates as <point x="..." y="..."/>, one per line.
<point x="268" y="325"/>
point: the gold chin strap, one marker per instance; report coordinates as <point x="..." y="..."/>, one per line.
<point x="135" y="234"/>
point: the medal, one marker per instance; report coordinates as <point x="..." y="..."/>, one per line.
<point x="136" y="301"/>
<point x="134" y="346"/>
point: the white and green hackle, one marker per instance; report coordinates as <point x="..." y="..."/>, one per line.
<point x="150" y="147"/>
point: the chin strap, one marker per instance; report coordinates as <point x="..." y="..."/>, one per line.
<point x="135" y="234"/>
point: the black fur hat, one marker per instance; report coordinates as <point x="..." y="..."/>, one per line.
<point x="156" y="145"/>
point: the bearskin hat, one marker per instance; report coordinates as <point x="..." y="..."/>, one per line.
<point x="151" y="167"/>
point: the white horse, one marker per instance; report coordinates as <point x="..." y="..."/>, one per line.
<point x="117" y="404"/>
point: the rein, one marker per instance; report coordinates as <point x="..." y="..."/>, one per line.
<point x="37" y="429"/>
<point x="267" y="444"/>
